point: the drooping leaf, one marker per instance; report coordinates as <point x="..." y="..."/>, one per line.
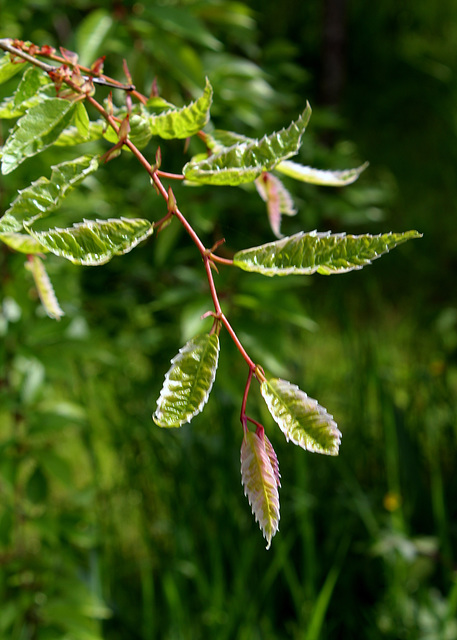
<point x="188" y="382"/>
<point x="317" y="176"/>
<point x="35" y="131"/>
<point x="300" y="418"/>
<point x="94" y="242"/>
<point x="9" y="69"/>
<point x="325" y="253"/>
<point x="22" y="242"/>
<point x="245" y="161"/>
<point x="44" y="288"/>
<point x="44" y="195"/>
<point x="278" y="199"/>
<point x="185" y="122"/>
<point x="260" y="482"/>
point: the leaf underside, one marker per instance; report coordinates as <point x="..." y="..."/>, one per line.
<point x="245" y="161"/>
<point x="22" y="242"/>
<point x="301" y="418"/>
<point x="94" y="242"/>
<point x="325" y="253"/>
<point x="260" y="480"/>
<point x="318" y="176"/>
<point x="188" y="382"/>
<point x="278" y="199"/>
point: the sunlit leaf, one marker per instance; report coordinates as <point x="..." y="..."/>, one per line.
<point x="185" y="122"/>
<point x="300" y="418"/>
<point x="35" y="131"/>
<point x="22" y="242"/>
<point x="91" y="34"/>
<point x="44" y="195"/>
<point x="81" y="119"/>
<point x="44" y="288"/>
<point x="245" y="161"/>
<point x="317" y="176"/>
<point x="260" y="482"/>
<point x="9" y="69"/>
<point x="325" y="253"/>
<point x="278" y="199"/>
<point x="188" y="382"/>
<point x="72" y="136"/>
<point x="94" y="242"/>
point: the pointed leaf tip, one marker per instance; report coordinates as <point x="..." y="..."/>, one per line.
<point x="301" y="418"/>
<point x="323" y="252"/>
<point x="188" y="382"/>
<point x="260" y="479"/>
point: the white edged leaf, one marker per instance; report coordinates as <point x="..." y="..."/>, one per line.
<point x="44" y="195"/>
<point x="44" y="287"/>
<point x="22" y="242"/>
<point x="246" y="160"/>
<point x="318" y="176"/>
<point x="324" y="253"/>
<point x="301" y="418"/>
<point x="188" y="382"/>
<point x="260" y="480"/>
<point x="35" y="131"/>
<point x="278" y="199"/>
<point x="185" y="122"/>
<point x="94" y="242"/>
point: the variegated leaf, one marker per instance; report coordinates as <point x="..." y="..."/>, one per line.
<point x="43" y="196"/>
<point x="278" y="199"/>
<point x="301" y="418"/>
<point x="94" y="242"/>
<point x="245" y="161"/>
<point x="317" y="176"/>
<point x="325" y="253"/>
<point x="22" y="242"/>
<point x="261" y="482"/>
<point x="188" y="382"/>
<point x="185" y="122"/>
<point x="44" y="287"/>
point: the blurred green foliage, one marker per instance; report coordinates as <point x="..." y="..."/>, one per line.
<point x="112" y="528"/>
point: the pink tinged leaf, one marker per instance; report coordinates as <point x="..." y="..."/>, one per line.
<point x="278" y="199"/>
<point x="260" y="479"/>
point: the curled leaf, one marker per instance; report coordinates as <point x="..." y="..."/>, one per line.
<point x="188" y="382"/>
<point x="301" y="418"/>
<point x="317" y="176"/>
<point x="278" y="199"/>
<point x="260" y="480"/>
<point x="325" y="253"/>
<point x="44" y="287"/>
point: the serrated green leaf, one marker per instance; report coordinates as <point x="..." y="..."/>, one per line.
<point x="94" y="242"/>
<point x="35" y="131"/>
<point x="44" y="288"/>
<point x="261" y="482"/>
<point x="278" y="199"/>
<point x="81" y="120"/>
<point x="31" y="82"/>
<point x="317" y="176"/>
<point x="220" y="139"/>
<point x="185" y="122"/>
<point x="9" y="69"/>
<point x="325" y="253"/>
<point x="300" y="418"/>
<point x="44" y="195"/>
<point x="245" y="161"/>
<point x="22" y="242"/>
<point x="188" y="382"/>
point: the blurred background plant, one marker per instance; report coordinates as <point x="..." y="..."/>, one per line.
<point x="111" y="528"/>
